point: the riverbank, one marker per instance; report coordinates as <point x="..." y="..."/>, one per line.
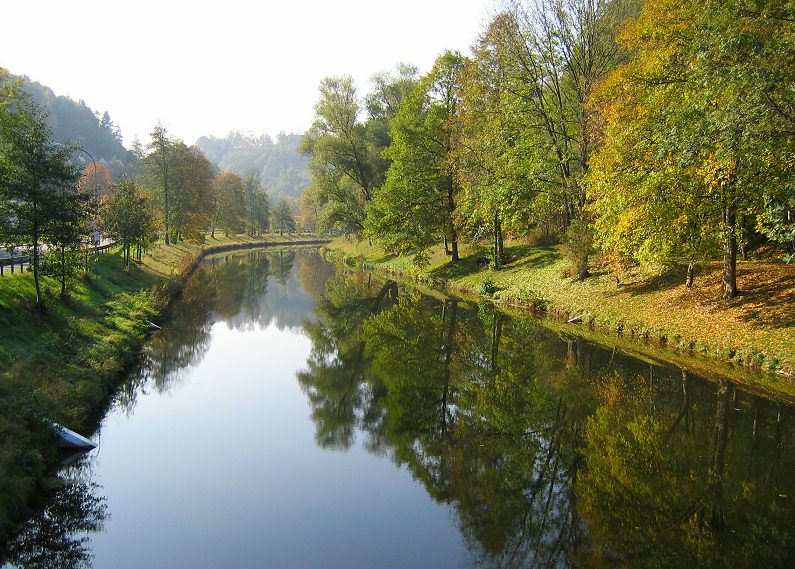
<point x="63" y="364"/>
<point x="755" y="330"/>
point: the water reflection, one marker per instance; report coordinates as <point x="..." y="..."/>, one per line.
<point x="233" y="289"/>
<point x="57" y="536"/>
<point x="697" y="477"/>
<point x="549" y="451"/>
<point x="552" y="452"/>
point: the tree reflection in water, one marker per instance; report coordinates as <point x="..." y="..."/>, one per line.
<point x="705" y="484"/>
<point x="58" y="536"/>
<point x="551" y="451"/>
<point x="232" y="289"/>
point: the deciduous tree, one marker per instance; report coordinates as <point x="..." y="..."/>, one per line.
<point x="159" y="163"/>
<point x="698" y="129"/>
<point x="257" y="203"/>
<point x="191" y="185"/>
<point x="229" y="203"/>
<point x="416" y="206"/>
<point x="128" y="217"/>
<point x="95" y="180"/>
<point x="35" y="174"/>
<point x="343" y="173"/>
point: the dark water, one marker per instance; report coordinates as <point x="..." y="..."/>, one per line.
<point x="288" y="417"/>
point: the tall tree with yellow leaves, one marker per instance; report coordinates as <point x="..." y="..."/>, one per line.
<point x="698" y="129"/>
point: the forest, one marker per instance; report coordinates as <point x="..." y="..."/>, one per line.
<point x="627" y="135"/>
<point x="58" y="199"/>
<point x="283" y="169"/>
<point x="656" y="133"/>
<point x="71" y="120"/>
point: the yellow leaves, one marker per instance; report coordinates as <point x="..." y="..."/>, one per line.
<point x="716" y="172"/>
<point x="659" y="24"/>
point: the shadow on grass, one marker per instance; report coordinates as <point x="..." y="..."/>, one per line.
<point x="525" y="256"/>
<point x="766" y="300"/>
<point x="461" y="268"/>
<point x="384" y="259"/>
<point x="767" y="295"/>
<point x="671" y="278"/>
<point x="516" y="257"/>
<point x="25" y="330"/>
<point x="110" y="278"/>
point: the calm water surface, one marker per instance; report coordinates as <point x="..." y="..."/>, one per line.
<point x="288" y="417"/>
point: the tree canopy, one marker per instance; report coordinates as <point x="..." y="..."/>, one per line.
<point x="654" y="132"/>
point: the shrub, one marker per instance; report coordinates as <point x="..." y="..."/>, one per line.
<point x="487" y="287"/>
<point x="539" y="237"/>
<point x="532" y="299"/>
<point x="578" y="247"/>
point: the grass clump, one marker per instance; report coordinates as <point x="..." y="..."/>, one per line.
<point x="487" y="287"/>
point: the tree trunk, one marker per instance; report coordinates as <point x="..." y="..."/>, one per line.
<point x="582" y="271"/>
<point x="496" y="232"/>
<point x="39" y="299"/>
<point x="165" y="196"/>
<point x="690" y="273"/>
<point x="500" y="243"/>
<point x="717" y="519"/>
<point x="63" y="272"/>
<point x="566" y="212"/>
<point x="743" y="249"/>
<point x="454" y="244"/>
<point x="730" y="254"/>
<point x="450" y="210"/>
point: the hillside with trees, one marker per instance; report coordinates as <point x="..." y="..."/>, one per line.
<point x="282" y="168"/>
<point x="55" y="205"/>
<point x="74" y="121"/>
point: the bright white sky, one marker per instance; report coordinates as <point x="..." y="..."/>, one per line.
<point x="207" y="68"/>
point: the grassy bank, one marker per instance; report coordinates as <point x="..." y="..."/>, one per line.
<point x="64" y="363"/>
<point x="756" y="329"/>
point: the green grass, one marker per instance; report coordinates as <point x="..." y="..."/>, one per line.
<point x="61" y="364"/>
<point x="25" y="331"/>
<point x="755" y="330"/>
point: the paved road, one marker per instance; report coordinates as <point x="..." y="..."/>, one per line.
<point x="23" y="252"/>
<point x="4" y="254"/>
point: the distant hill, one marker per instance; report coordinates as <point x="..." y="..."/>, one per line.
<point x="75" y="121"/>
<point x="284" y="170"/>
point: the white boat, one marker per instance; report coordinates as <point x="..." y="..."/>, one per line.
<point x="70" y="439"/>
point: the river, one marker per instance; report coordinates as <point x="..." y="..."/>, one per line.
<point x="289" y="416"/>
